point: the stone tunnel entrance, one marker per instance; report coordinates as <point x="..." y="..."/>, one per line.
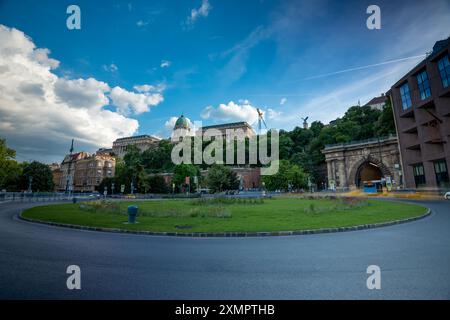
<point x="368" y="171"/>
<point x="350" y="164"/>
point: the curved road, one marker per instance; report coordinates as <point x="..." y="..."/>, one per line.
<point x="414" y="259"/>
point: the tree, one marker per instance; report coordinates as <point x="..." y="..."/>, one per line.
<point x="41" y="174"/>
<point x="221" y="178"/>
<point x="157" y="184"/>
<point x="132" y="171"/>
<point x="107" y="183"/>
<point x="181" y="171"/>
<point x="10" y="169"/>
<point x="385" y="124"/>
<point x="158" y="159"/>
<point x="288" y="174"/>
<point x="10" y="175"/>
<point x="5" y="152"/>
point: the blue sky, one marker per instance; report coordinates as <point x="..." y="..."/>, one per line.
<point x="213" y="60"/>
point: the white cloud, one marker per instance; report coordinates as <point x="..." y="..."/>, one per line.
<point x="141" y="23"/>
<point x="40" y="113"/>
<point x="170" y="123"/>
<point x="41" y="56"/>
<point x="111" y="68"/>
<point x="203" y="11"/>
<point x="82" y="93"/>
<point x="137" y="103"/>
<point x="165" y="63"/>
<point x="273" y="114"/>
<point x="149" y="88"/>
<point x="283" y="101"/>
<point x="241" y="111"/>
<point x="239" y="55"/>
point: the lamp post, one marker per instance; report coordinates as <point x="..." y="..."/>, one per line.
<point x="112" y="188"/>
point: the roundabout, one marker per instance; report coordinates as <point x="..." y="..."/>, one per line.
<point x="414" y="259"/>
<point x="229" y="217"/>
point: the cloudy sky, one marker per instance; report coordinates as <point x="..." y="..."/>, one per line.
<point x="137" y="65"/>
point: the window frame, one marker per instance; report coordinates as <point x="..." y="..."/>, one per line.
<point x="442" y="177"/>
<point x="405" y="95"/>
<point x="419" y="179"/>
<point x="424" y="84"/>
<point x="444" y="71"/>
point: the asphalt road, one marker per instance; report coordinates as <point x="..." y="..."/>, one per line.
<point x="414" y="259"/>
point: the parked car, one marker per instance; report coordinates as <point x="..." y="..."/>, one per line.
<point x="447" y="195"/>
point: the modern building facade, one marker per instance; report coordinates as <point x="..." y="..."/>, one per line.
<point x="350" y="165"/>
<point x="143" y="142"/>
<point x="421" y="105"/>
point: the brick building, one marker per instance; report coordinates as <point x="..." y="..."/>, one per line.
<point x="421" y="105"/>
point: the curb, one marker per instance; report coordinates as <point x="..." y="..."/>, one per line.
<point x="232" y="234"/>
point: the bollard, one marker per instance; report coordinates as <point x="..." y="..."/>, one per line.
<point x="132" y="213"/>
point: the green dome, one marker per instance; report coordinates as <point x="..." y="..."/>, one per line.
<point x="181" y="123"/>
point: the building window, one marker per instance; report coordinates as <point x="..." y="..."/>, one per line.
<point x="424" y="85"/>
<point x="419" y="175"/>
<point x="444" y="70"/>
<point x="440" y="169"/>
<point x="406" y="97"/>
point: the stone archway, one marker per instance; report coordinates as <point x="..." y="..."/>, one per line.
<point x="355" y="173"/>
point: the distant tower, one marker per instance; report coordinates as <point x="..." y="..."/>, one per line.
<point x="71" y="147"/>
<point x="68" y="177"/>
<point x="181" y="128"/>
<point x="305" y="122"/>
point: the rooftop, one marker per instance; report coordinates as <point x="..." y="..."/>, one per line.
<point x="377" y="100"/>
<point x="438" y="47"/>
<point x="224" y="125"/>
<point x="143" y="136"/>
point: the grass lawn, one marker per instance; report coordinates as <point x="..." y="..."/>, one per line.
<point x="281" y="214"/>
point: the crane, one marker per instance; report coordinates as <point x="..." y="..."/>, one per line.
<point x="260" y="119"/>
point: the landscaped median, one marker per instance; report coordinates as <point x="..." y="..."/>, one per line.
<point x="230" y="217"/>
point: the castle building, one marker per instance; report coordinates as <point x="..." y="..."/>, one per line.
<point x="378" y="103"/>
<point x="243" y="126"/>
<point x="181" y="129"/>
<point x="143" y="142"/>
